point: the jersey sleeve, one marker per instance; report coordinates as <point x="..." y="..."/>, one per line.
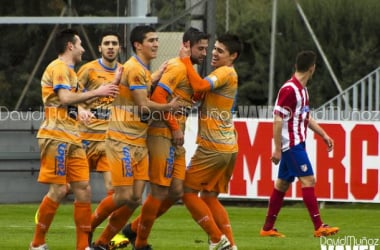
<point x="170" y="78"/>
<point x="61" y="78"/>
<point x="135" y="79"/>
<point x="160" y="96"/>
<point x="197" y="83"/>
<point x="218" y="77"/>
<point x="285" y="102"/>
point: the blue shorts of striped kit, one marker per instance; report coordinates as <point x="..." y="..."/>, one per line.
<point x="295" y="163"/>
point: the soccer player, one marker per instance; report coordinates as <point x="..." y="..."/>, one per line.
<point x="291" y="120"/>
<point x="167" y="163"/>
<point x="63" y="159"/>
<point x="92" y="75"/>
<point x="93" y="129"/>
<point x="126" y="148"/>
<point x="213" y="162"/>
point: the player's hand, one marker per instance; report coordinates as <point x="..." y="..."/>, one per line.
<point x="276" y="157"/>
<point x="174" y="104"/>
<point x="156" y="76"/>
<point x="185" y="50"/>
<point x="178" y="137"/>
<point x="329" y="142"/>
<point x="85" y="115"/>
<point x="107" y="90"/>
<point x="119" y="73"/>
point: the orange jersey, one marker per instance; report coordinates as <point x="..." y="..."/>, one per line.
<point x="216" y="128"/>
<point x="91" y="76"/>
<point x="58" y="124"/>
<point x="125" y="124"/>
<point x="174" y="80"/>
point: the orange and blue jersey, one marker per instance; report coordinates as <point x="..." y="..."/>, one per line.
<point x="174" y="80"/>
<point x="60" y="121"/>
<point x="125" y="124"/>
<point x="91" y="76"/>
<point x="216" y="129"/>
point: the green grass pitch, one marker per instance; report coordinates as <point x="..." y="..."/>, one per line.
<point x="177" y="231"/>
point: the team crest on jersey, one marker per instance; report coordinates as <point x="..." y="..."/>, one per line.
<point x="137" y="79"/>
<point x="60" y="79"/>
<point x="306" y="109"/>
<point x="303" y="168"/>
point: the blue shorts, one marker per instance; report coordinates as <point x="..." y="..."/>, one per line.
<point x="294" y="163"/>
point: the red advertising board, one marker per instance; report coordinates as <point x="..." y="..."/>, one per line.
<point x="351" y="172"/>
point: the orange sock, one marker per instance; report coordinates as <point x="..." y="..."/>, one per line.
<point x="115" y="223"/>
<point x="202" y="215"/>
<point x="46" y="213"/>
<point x="165" y="205"/>
<point x="147" y="217"/>
<point x="220" y="216"/>
<point x="135" y="223"/>
<point x="82" y="218"/>
<point x="104" y="209"/>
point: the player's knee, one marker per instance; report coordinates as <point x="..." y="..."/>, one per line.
<point x="176" y="194"/>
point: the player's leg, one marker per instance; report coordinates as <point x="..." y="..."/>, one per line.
<point x="79" y="175"/>
<point x="202" y="170"/>
<point x="211" y="198"/>
<point x="306" y="177"/>
<point x="161" y="168"/>
<point x="57" y="190"/>
<point x="274" y="206"/>
<point x="119" y="216"/>
<point x="122" y="182"/>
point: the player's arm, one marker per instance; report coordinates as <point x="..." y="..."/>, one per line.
<point x="160" y="96"/>
<point x="67" y="97"/>
<point x="156" y="76"/>
<point x="313" y="125"/>
<point x="277" y="128"/>
<point x="140" y="97"/>
<point x="197" y="83"/>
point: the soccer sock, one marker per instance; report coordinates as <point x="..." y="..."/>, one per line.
<point x="115" y="223"/>
<point x="135" y="223"/>
<point x="165" y="205"/>
<point x="220" y="216"/>
<point x="202" y="215"/>
<point x="82" y="218"/>
<point x="104" y="209"/>
<point x="274" y="207"/>
<point x="147" y="217"/>
<point x="308" y="195"/>
<point x="46" y="213"/>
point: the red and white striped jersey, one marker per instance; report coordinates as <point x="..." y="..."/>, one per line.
<point x="292" y="105"/>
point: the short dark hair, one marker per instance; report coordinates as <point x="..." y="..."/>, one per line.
<point x="138" y="34"/>
<point x="232" y="43"/>
<point x="194" y="35"/>
<point x="305" y="59"/>
<point x="109" y="33"/>
<point x="63" y="37"/>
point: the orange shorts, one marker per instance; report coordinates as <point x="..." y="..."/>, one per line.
<point x="127" y="162"/>
<point x="165" y="160"/>
<point x="96" y="155"/>
<point x="62" y="162"/>
<point x="210" y="171"/>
